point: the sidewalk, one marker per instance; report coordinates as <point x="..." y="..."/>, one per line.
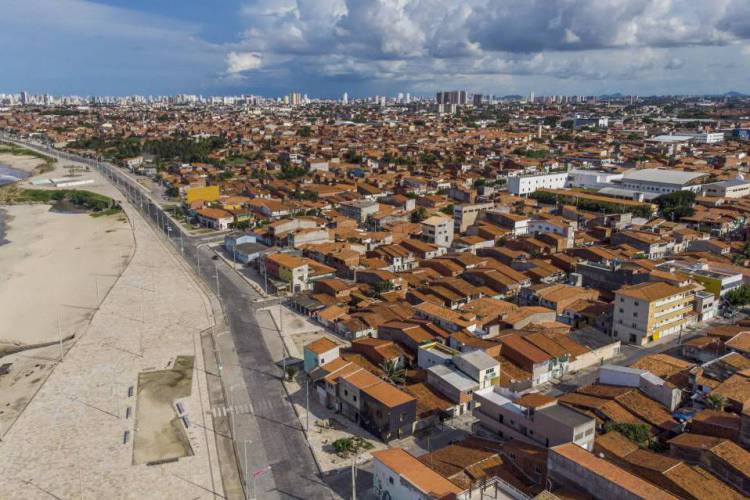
<point x="236" y="266"/>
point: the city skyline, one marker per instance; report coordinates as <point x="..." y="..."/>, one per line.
<point x="113" y="47"/>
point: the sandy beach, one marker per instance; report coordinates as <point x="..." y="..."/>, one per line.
<point x="24" y="163"/>
<point x="51" y="267"/>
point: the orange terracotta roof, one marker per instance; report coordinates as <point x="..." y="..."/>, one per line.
<point x="422" y="477"/>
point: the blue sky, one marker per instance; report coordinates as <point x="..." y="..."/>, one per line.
<point x="367" y="47"/>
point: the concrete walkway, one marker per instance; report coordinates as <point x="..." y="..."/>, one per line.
<point x="69" y="441"/>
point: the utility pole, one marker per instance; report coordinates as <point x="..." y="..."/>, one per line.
<point x="140" y="327"/>
<point x="281" y="336"/>
<point x="59" y="334"/>
<point x="244" y="476"/>
<point x="307" y="403"/>
<point x="354" y="476"/>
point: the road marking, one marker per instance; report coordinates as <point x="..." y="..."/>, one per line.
<point x="223" y="411"/>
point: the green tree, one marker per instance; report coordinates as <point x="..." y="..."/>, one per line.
<point x="345" y="446"/>
<point x="418" y="215"/>
<point x="291" y="372"/>
<point x="739" y="296"/>
<point x="716" y="401"/>
<point x="383" y="286"/>
<point x="674" y="206"/>
<point x="393" y="372"/>
<point x="304" y="131"/>
<point x="448" y="210"/>
<point x="637" y="433"/>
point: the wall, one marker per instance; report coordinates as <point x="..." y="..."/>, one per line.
<point x="561" y="470"/>
<point x="594" y="357"/>
<point x="208" y="193"/>
<point x="385" y="480"/>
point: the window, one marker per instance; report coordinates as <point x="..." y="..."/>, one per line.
<point x="632" y="338"/>
<point x="589" y="431"/>
<point x="622" y="310"/>
<point x="500" y="418"/>
<point x="390" y="480"/>
<point x="346" y="393"/>
<point x="578" y="436"/>
<point x="355" y="398"/>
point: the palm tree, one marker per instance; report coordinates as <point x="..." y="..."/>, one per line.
<point x="392" y="372"/>
<point x="716" y="401"/>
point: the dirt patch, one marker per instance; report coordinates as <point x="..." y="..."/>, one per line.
<point x="159" y="433"/>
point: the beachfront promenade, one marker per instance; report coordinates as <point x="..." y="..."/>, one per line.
<point x="256" y="411"/>
<point x="69" y="440"/>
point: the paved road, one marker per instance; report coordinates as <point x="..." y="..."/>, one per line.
<point x="270" y="435"/>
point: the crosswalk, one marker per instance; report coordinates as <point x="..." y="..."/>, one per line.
<point x="223" y="411"/>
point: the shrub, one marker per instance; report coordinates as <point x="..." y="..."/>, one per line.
<point x="354" y="444"/>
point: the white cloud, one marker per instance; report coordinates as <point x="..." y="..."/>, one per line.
<point x="237" y="62"/>
<point x="455" y="38"/>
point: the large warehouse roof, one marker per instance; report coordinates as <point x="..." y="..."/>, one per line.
<point x="662" y="175"/>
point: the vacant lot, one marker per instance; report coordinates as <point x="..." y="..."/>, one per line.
<point x="159" y="434"/>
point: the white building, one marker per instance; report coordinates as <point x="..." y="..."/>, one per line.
<point x="648" y="311"/>
<point x="438" y="230"/>
<point x="398" y="475"/>
<point x="662" y="180"/>
<point x="527" y="184"/>
<point x="709" y="137"/>
<point x="591" y="179"/>
<point x="732" y="188"/>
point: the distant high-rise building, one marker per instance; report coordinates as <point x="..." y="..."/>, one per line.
<point x="477" y="99"/>
<point x="24" y="97"/>
<point x="345" y="98"/>
<point x="451" y="97"/>
<point x="531" y="96"/>
<point x="295" y="98"/>
<point x="408" y="98"/>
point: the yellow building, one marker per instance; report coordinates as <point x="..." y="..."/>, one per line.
<point x="208" y="193"/>
<point x="648" y="311"/>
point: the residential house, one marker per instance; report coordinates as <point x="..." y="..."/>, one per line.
<point x="571" y="466"/>
<point x="398" y="475"/>
<point x="438" y="230"/>
<point x="319" y="352"/>
<point x="533" y="418"/>
<point x="648" y="311"/>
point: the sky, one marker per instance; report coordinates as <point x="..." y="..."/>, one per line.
<point x="374" y="47"/>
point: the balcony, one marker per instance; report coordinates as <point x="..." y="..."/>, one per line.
<point x="674" y="313"/>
